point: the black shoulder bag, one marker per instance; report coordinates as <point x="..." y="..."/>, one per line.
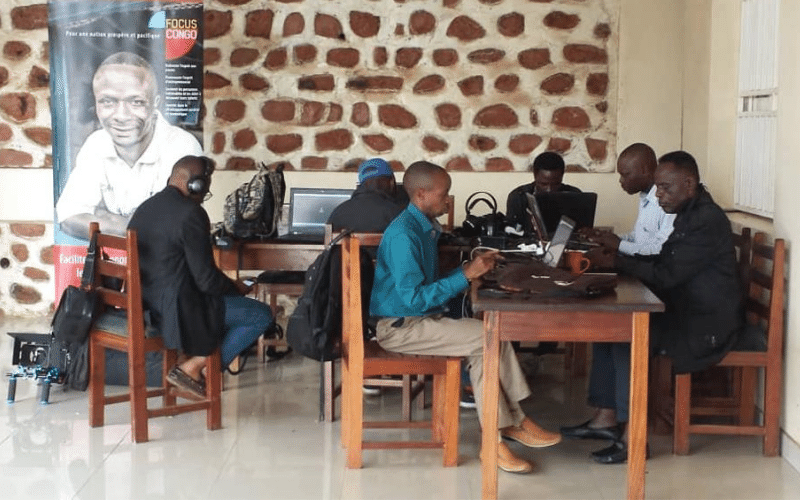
<point x="79" y="306"/>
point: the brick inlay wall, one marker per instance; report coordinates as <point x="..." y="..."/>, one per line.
<point x="470" y="84"/>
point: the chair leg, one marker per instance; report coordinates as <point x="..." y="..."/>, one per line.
<point x="97" y="387"/>
<point x="746" y="396"/>
<point x="421" y="394"/>
<point x="137" y="384"/>
<point x="452" y="389"/>
<point x="407" y="398"/>
<point x="438" y="413"/>
<point x="355" y="417"/>
<point x="214" y="391"/>
<point x="345" y="405"/>
<point x="328" y="382"/>
<point x="772" y="409"/>
<point x="683" y="411"/>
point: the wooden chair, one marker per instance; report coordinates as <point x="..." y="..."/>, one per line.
<point x="716" y="390"/>
<point x="764" y="305"/>
<point x="412" y="389"/>
<point x="121" y="327"/>
<point x="362" y="360"/>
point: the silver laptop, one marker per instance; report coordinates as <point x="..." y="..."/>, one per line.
<point x="552" y="255"/>
<point x="310" y="208"/>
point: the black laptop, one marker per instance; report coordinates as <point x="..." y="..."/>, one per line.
<point x="580" y="207"/>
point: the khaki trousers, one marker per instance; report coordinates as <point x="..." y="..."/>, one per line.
<point x="438" y="335"/>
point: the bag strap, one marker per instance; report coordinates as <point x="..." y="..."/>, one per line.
<point x="89" y="266"/>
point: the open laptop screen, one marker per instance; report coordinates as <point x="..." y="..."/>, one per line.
<point x="580" y="207"/>
<point x="310" y="208"/>
<point x="556" y="247"/>
<point x="537" y="222"/>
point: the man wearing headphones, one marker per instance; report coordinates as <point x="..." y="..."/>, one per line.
<point x="129" y="158"/>
<point x="194" y="306"/>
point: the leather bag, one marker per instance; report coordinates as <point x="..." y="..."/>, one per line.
<point x="79" y="306"/>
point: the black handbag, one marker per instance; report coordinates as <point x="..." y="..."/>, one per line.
<point x="79" y="306"/>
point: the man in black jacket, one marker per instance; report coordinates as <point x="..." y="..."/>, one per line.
<point x="194" y="306"/>
<point x="695" y="276"/>
<point x="375" y="202"/>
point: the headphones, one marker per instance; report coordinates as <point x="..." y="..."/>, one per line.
<point x="484" y="225"/>
<point x="199" y="184"/>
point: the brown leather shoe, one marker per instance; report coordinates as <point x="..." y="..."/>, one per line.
<point x="531" y="435"/>
<point x="509" y="462"/>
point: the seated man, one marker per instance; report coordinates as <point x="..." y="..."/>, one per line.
<point x="194" y="306"/>
<point x="636" y="167"/>
<point x="548" y="173"/>
<point x="375" y="202"/>
<point x="695" y="275"/>
<point x="408" y="301"/>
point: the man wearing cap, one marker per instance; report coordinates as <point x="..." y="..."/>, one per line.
<point x="375" y="202"/>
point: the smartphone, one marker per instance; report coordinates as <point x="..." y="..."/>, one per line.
<point x="249" y="282"/>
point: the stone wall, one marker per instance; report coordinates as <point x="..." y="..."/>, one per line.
<point x="474" y="85"/>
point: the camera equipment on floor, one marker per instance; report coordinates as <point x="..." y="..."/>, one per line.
<point x="40" y="357"/>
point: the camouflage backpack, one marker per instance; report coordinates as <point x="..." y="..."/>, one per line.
<point x="253" y="209"/>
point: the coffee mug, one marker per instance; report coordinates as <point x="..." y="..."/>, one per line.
<point x="577" y="262"/>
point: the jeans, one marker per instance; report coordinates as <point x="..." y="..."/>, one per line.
<point x="609" y="381"/>
<point x="245" y="320"/>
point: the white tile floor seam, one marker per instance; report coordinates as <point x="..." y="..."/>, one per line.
<point x="272" y="446"/>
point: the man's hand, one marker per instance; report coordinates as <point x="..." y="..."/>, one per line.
<point x="481" y="264"/>
<point x="602" y="257"/>
<point x="605" y="239"/>
<point x="243" y="288"/>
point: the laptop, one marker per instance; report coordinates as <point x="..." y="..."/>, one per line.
<point x="309" y="210"/>
<point x="555" y="249"/>
<point x="580" y="207"/>
<point x="537" y="222"/>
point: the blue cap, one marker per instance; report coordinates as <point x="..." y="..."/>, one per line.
<point x="374" y="167"/>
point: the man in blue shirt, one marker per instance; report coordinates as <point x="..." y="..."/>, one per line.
<point x="408" y="299"/>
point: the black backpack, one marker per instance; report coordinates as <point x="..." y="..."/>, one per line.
<point x="315" y="327"/>
<point x="253" y="209"/>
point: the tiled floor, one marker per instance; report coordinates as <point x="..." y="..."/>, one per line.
<point x="272" y="446"/>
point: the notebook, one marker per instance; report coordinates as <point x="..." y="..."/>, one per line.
<point x="309" y="210"/>
<point x="580" y="207"/>
<point x="552" y="255"/>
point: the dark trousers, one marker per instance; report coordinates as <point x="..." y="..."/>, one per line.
<point x="609" y="380"/>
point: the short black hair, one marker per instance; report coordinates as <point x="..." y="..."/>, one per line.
<point x="548" y="161"/>
<point x="683" y="161"/>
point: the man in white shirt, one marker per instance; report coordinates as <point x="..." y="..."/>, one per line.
<point x="130" y="158"/>
<point x="609" y="386"/>
<point x="636" y="167"/>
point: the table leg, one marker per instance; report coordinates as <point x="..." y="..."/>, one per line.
<point x="491" y="394"/>
<point x="637" y="431"/>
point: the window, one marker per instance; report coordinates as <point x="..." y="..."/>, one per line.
<point x="754" y="190"/>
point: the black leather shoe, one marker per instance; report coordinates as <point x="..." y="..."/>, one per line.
<point x="583" y="431"/>
<point x="617" y="453"/>
<point x="615" y="446"/>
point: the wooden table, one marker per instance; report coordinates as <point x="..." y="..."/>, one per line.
<point x="273" y="255"/>
<point x="619" y="317"/>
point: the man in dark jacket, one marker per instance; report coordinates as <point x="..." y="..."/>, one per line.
<point x="375" y="202"/>
<point x="548" y="174"/>
<point x="695" y="275"/>
<point x="194" y="306"/>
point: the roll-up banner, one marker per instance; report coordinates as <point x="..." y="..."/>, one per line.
<point x="126" y="81"/>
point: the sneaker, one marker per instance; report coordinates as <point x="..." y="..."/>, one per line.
<point x="371" y="390"/>
<point x="467" y="399"/>
<point x="531" y="435"/>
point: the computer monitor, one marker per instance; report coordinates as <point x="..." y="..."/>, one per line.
<point x="310" y="208"/>
<point x="559" y="242"/>
<point x="580" y="207"/>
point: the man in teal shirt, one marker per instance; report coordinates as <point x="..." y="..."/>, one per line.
<point x="408" y="299"/>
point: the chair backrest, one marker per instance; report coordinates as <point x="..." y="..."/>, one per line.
<point x="352" y="322"/>
<point x="765" y="289"/>
<point x="117" y="279"/>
